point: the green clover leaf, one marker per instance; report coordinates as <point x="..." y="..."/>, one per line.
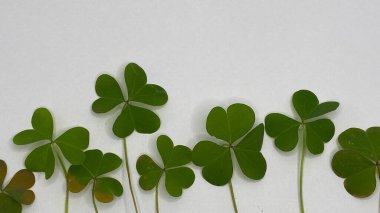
<point x="133" y="116"/>
<point x="358" y="160"/>
<point x="316" y="131"/>
<point x="42" y="159"/>
<point x="93" y="169"/>
<point x="234" y="129"/>
<point x="17" y="192"/>
<point x="174" y="158"/>
<point x="229" y="126"/>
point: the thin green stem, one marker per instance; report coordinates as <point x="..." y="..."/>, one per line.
<point x="157" y="207"/>
<point x="64" y="170"/>
<point x="233" y="196"/>
<point x="129" y="174"/>
<point x="93" y="197"/>
<point x="302" y="159"/>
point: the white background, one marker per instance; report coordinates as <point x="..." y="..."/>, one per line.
<point x="204" y="53"/>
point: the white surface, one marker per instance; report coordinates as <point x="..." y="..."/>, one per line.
<point x="205" y="53"/>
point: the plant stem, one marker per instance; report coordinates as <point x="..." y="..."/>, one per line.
<point x="93" y="197"/>
<point x="233" y="196"/>
<point x="63" y="167"/>
<point x="129" y="174"/>
<point x="302" y="159"/>
<point x="157" y="207"/>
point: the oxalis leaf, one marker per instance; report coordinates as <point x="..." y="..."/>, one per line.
<point x="17" y="192"/>
<point x="316" y="131"/>
<point x="93" y="170"/>
<point x="358" y="160"/>
<point x="233" y="128"/>
<point x="42" y="159"/>
<point x="174" y="159"/>
<point x="132" y="116"/>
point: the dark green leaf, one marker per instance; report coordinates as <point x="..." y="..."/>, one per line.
<point x="9" y="205"/>
<point x="324" y="108"/>
<point x="215" y="160"/>
<point x="283" y="129"/>
<point x="28" y="136"/>
<point x="151" y="94"/>
<point x="135" y="78"/>
<point x="359" y="172"/>
<point x="145" y="121"/>
<point x="42" y="121"/>
<point x="232" y="124"/>
<point x="178" y="179"/>
<point x="107" y="87"/>
<point x="174" y="158"/>
<point x="304" y="103"/>
<point x="357" y="140"/>
<point x="103" y="105"/>
<point x="133" y="116"/>
<point x="41" y="160"/>
<point x="248" y="155"/>
<point x="150" y="172"/>
<point x="124" y="124"/>
<point x="374" y="136"/>
<point x="72" y="143"/>
<point x="317" y="133"/>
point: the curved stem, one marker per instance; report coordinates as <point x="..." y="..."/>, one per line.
<point x="233" y="196"/>
<point x="63" y="167"/>
<point x="157" y="207"/>
<point x="302" y="159"/>
<point x="129" y="174"/>
<point x="93" y="197"/>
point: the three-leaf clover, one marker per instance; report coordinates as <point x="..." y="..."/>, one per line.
<point x="315" y="131"/>
<point x="359" y="160"/>
<point x="17" y="192"/>
<point x="234" y="130"/>
<point x="93" y="169"/>
<point x="174" y="158"/>
<point x="133" y="115"/>
<point x="71" y="143"/>
<point x="42" y="159"/>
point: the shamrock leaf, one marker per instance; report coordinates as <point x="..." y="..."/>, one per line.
<point x="71" y="143"/>
<point x="177" y="176"/>
<point x="358" y="161"/>
<point x="315" y="131"/>
<point x="133" y="116"/>
<point x="17" y="192"/>
<point x="318" y="131"/>
<point x="93" y="169"/>
<point x="229" y="126"/>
